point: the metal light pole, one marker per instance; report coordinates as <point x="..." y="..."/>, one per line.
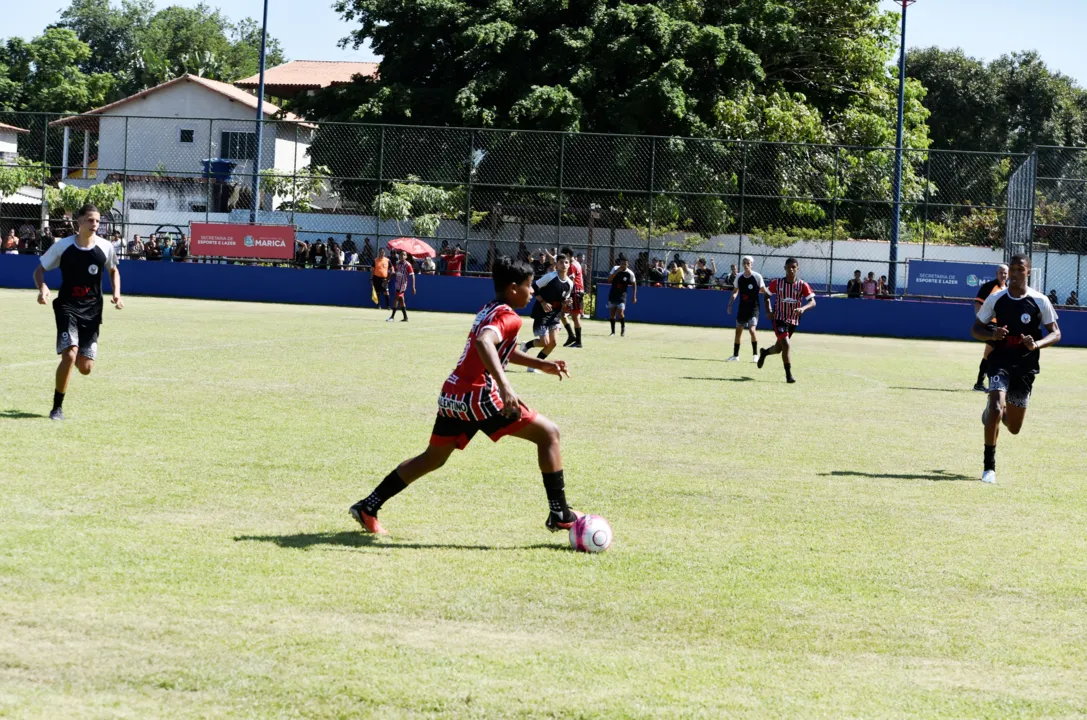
<point x="260" y="119"/>
<point x="897" y="186"/>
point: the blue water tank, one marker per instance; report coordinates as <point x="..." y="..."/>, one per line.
<point x="220" y="169"/>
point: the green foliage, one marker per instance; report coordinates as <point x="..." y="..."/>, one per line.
<point x="297" y="189"/>
<point x="70" y="198"/>
<point x="23" y="172"/>
<point x="44" y="74"/>
<point x="423" y="205"/>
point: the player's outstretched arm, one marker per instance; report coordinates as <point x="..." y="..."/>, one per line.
<point x="487" y="346"/>
<point x="1053" y="336"/>
<point x="807" y="306"/>
<point x="115" y="283"/>
<point x="39" y="282"/>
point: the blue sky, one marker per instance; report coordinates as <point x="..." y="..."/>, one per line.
<point x="309" y="29"/>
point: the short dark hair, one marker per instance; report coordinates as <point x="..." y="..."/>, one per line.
<point x="1020" y="259"/>
<point x="561" y="256"/>
<point x="567" y="252"/>
<point x="507" y="271"/>
<point x="790" y="261"/>
<point x="88" y="208"/>
<point x="856" y="272"/>
<point x="621" y="258"/>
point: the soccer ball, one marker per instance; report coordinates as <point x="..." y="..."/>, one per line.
<point x="591" y="534"/>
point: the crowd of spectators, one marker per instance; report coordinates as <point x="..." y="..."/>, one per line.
<point x="868" y="287"/>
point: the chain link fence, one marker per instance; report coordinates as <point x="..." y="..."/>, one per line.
<point x="515" y="193"/>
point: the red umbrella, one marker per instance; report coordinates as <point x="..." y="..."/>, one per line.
<point x="412" y="246"/>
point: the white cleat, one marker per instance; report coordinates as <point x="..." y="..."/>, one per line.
<point x="989" y="477"/>
<point x="754" y="358"/>
<point x="532" y="370"/>
<point x="734" y="358"/>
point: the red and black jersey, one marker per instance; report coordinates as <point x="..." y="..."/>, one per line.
<point x="788" y="297"/>
<point x="471" y="393"/>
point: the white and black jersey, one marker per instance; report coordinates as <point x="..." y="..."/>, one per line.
<point x="81" y="270"/>
<point x="553" y="290"/>
<point x="748" y="289"/>
<point x="1026" y="315"/>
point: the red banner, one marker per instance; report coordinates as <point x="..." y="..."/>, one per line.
<point x="266" y="242"/>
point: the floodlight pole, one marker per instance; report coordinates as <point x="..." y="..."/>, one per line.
<point x="260" y="119"/>
<point x="896" y="219"/>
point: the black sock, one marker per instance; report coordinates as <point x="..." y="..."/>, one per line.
<point x="404" y="309"/>
<point x="58" y="400"/>
<point x="394" y="313"/>
<point x="569" y="331"/>
<point x="754" y="348"/>
<point x="389" y="487"/>
<point x="543" y="354"/>
<point x="981" y="373"/>
<point x="577" y="334"/>
<point x="623" y="324"/>
<point x="735" y="349"/>
<point x="555" y="485"/>
<point x="788" y="369"/>
<point x="990" y="458"/>
<point x="613" y="326"/>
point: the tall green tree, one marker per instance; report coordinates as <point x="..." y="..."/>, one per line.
<point x="44" y="74"/>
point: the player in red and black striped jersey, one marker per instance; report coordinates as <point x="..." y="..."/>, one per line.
<point x="792" y="298"/>
<point x="478" y="396"/>
<point x="1017" y="323"/>
<point x="990" y="288"/>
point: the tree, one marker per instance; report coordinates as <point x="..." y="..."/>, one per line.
<point x="297" y="190"/>
<point x="46" y="75"/>
<point x="114" y="36"/>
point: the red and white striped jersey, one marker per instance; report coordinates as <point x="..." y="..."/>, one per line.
<point x="788" y="297"/>
<point x="577" y="275"/>
<point x="471" y="393"/>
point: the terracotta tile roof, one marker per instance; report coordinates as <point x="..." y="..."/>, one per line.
<point x="12" y="127"/>
<point x="87" y="119"/>
<point x="311" y="74"/>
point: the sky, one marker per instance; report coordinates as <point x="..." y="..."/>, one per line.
<point x="987" y="29"/>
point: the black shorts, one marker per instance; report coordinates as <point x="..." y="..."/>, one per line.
<point x="577" y="303"/>
<point x="783" y="329"/>
<point x="1017" y="387"/>
<point x="381" y="284"/>
<point x="454" y="431"/>
<point x="74" y="331"/>
<point x="747" y="317"/>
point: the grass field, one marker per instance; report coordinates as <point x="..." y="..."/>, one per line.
<point x="180" y="547"/>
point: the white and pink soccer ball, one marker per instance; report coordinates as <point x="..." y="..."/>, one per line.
<point x="591" y="534"/>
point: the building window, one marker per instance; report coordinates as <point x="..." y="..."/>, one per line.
<point x="238" y="146"/>
<point x="142" y="204"/>
<point x="187" y="136"/>
<point x="198" y="207"/>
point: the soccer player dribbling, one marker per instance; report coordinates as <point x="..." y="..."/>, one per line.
<point x="1017" y="322"/>
<point x="792" y="298"/>
<point x="478" y="396"/>
<point x="990" y="288"/>
<point x="749" y="286"/>
<point x="82" y="258"/>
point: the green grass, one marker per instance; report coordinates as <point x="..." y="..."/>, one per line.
<point x="180" y="546"/>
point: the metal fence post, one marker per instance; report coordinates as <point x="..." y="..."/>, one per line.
<point x="468" y="192"/>
<point x="834" y="215"/>
<point x="124" y="184"/>
<point x="294" y="177"/>
<point x="924" y="220"/>
<point x="652" y="187"/>
<point x="380" y="188"/>
<point x="743" y="190"/>
<point x="562" y="172"/>
<point x="45" y="164"/>
<point x="207" y="172"/>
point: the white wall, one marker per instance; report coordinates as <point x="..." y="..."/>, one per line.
<point x="9" y="142"/>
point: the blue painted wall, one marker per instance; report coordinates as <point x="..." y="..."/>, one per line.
<point x="900" y="318"/>
<point x="838" y="316"/>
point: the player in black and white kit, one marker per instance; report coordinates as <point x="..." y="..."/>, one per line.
<point x="621" y="277"/>
<point x="1023" y="322"/>
<point x="552" y="292"/>
<point x="749" y="286"/>
<point x="82" y="259"/>
<point x="990" y="288"/>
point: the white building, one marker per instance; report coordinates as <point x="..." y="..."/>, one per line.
<point x="9" y="142"/>
<point x="157" y="140"/>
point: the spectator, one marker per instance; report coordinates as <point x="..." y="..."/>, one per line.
<point x="882" y="289"/>
<point x="11" y="243"/>
<point x="319" y="256"/>
<point x="152" y="251"/>
<point x="1073" y="299"/>
<point x="1053" y="297"/>
<point x="350" y="257"/>
<point x="349" y="246"/>
<point x="641" y="264"/>
<point x="135" y="248"/>
<point x="868" y="287"/>
<point x="167" y="249"/>
<point x="28" y="239"/>
<point x="656" y="274"/>
<point x="48" y="239"/>
<point x="854" y="287"/>
<point x="181" y="250"/>
<point x="729" y="281"/>
<point x="540" y="264"/>
<point x="688" y="274"/>
<point x="335" y="255"/>
<point x="454" y="261"/>
<point x="703" y="275"/>
<point x="675" y="275"/>
<point x="118" y="243"/>
<point x="522" y="252"/>
<point x="427" y="266"/>
<point x="67" y="229"/>
<point x="367" y="257"/>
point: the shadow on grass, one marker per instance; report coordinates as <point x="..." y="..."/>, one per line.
<point x="19" y="415"/>
<point x="931" y="389"/>
<point x="667" y="357"/>
<point x="734" y="379"/>
<point x="304" y="541"/>
<point x="933" y="475"/>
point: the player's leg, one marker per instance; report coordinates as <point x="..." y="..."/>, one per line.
<point x="754" y="326"/>
<point x="570" y="338"/>
<point x="1015" y="403"/>
<point x="614" y="311"/>
<point x="404" y="305"/>
<point x="88" y="349"/>
<point x="736" y="343"/>
<point x="544" y="434"/>
<point x="979" y="385"/>
<point x="787" y="358"/>
<point x="991" y="417"/>
<point x="623" y="320"/>
<point x="64" y="374"/>
<point x="577" y="320"/>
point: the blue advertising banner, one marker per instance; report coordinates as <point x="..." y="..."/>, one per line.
<point x="937" y="278"/>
